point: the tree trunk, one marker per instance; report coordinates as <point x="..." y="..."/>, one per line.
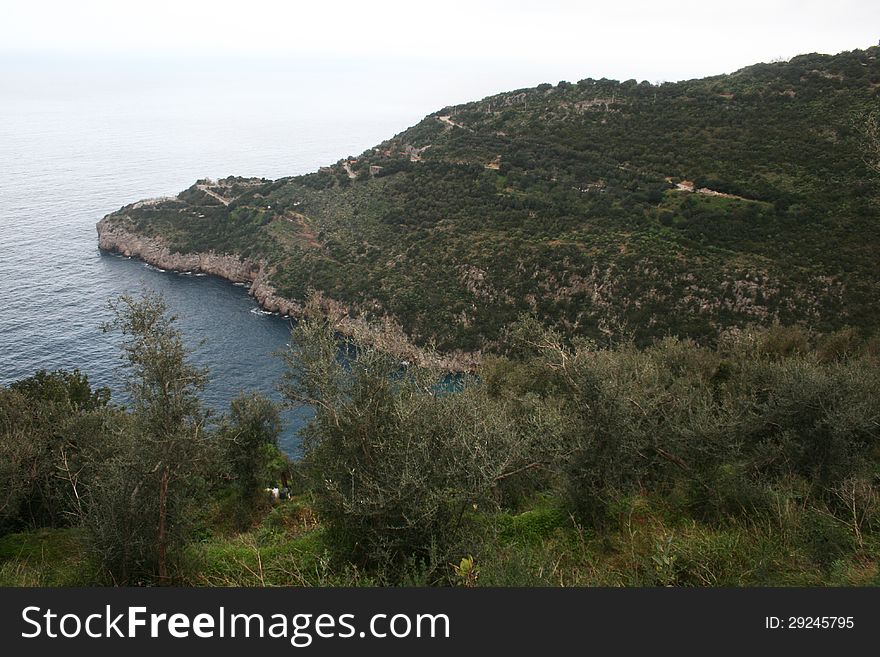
<point x="162" y="538"/>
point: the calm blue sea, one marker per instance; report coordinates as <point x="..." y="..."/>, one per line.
<point x="72" y="152"/>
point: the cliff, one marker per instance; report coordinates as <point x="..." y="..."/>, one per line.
<point x="114" y="235"/>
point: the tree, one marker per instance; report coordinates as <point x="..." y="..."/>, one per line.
<point x="146" y="490"/>
<point x="397" y="465"/>
<point x="47" y="421"/>
<point x="248" y="442"/>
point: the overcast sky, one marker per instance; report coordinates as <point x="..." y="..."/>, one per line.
<point x="471" y="48"/>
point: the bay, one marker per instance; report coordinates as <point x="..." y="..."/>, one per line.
<point x="73" y="150"/>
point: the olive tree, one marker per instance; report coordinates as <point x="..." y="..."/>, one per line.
<point x="396" y="463"/>
<point x="47" y="422"/>
<point x="248" y="445"/>
<point x="144" y="493"/>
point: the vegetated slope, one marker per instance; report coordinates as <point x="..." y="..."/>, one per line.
<point x="573" y="201"/>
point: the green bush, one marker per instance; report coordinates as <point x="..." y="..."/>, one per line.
<point x="397" y="465"/>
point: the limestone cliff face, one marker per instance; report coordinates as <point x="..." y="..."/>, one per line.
<point x="115" y="236"/>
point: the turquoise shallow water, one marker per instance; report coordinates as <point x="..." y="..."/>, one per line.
<point x="67" y="159"/>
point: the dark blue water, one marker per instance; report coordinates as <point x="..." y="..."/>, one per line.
<point x="226" y="331"/>
<point x="68" y="158"/>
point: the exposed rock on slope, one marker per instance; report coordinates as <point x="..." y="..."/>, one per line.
<point x="114" y="236"/>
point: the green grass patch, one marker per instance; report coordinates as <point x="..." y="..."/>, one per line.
<point x="45" y="557"/>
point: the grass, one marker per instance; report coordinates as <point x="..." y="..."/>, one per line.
<point x="646" y="543"/>
<point x="286" y="548"/>
<point x="45" y="557"/>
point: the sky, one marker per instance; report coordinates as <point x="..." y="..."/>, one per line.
<point x="443" y="49"/>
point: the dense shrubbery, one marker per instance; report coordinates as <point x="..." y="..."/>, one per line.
<point x="772" y="428"/>
<point x="716" y="431"/>
<point x="47" y="421"/>
<point x="396" y="462"/>
<point x="754" y="462"/>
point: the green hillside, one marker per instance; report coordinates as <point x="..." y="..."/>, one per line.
<point x="545" y="225"/>
<point x="571" y="201"/>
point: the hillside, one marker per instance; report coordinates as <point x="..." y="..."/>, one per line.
<point x="605" y="208"/>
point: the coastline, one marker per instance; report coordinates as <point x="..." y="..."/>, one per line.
<point x="385" y="335"/>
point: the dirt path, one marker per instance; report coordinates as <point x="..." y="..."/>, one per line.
<point x="347" y="167"/>
<point x="452" y="124"/>
<point x="213" y="194"/>
<point x="688" y="186"/>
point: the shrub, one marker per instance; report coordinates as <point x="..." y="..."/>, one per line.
<point x="396" y="464"/>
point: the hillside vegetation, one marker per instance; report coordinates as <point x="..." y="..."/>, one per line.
<point x="605" y="208"/>
<point x="754" y="463"/>
<point x="673" y="293"/>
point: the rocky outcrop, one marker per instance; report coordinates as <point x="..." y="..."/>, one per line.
<point x="116" y="235"/>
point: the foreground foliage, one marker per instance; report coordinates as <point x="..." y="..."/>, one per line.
<point x="769" y="441"/>
<point x="129" y="483"/>
<point x="562" y="463"/>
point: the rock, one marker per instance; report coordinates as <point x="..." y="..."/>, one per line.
<point x="116" y="236"/>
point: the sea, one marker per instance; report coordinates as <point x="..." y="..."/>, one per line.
<point x="77" y="145"/>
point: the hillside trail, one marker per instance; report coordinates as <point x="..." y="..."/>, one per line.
<point x="213" y="194"/>
<point x="452" y="124"/>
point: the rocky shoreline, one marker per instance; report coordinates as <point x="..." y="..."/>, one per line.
<point x="388" y="336"/>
